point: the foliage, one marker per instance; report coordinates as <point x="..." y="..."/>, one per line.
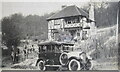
<point x="105" y="13"/>
<point x="17" y="27"/>
<point x="11" y="31"/>
<point x="106" y="42"/>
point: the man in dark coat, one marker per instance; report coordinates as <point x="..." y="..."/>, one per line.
<point x="84" y="62"/>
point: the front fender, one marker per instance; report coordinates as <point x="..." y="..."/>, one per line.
<point x="73" y="58"/>
<point x="37" y="61"/>
<point x="73" y="54"/>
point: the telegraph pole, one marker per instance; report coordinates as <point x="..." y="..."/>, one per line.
<point x="117" y="25"/>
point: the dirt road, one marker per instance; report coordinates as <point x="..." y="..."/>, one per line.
<point x="101" y="64"/>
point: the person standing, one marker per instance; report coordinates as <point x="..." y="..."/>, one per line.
<point x="13" y="55"/>
<point x="17" y="55"/>
<point x="23" y="55"/>
<point x="85" y="62"/>
<point x="25" y="52"/>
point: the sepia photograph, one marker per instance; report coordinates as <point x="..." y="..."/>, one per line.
<point x="60" y="36"/>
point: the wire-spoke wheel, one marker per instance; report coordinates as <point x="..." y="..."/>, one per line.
<point x="63" y="59"/>
<point x="74" y="65"/>
<point x="41" y="65"/>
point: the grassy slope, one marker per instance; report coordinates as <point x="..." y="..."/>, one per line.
<point x="108" y="42"/>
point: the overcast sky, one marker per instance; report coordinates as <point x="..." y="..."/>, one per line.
<point x="38" y="8"/>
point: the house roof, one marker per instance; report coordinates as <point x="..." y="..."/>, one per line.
<point x="67" y="12"/>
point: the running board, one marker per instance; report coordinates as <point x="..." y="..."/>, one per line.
<point x="54" y="65"/>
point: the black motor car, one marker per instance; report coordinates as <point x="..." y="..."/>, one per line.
<point x="49" y="54"/>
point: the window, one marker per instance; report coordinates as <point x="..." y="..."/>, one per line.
<point x="78" y="34"/>
<point x="68" y="20"/>
<point x="57" y="22"/>
<point x="43" y="48"/>
<point x="72" y="20"/>
<point x="84" y="35"/>
<point x="75" y="20"/>
<point x="49" y="48"/>
<point x="57" y="48"/>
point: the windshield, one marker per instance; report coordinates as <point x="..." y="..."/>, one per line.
<point x="67" y="48"/>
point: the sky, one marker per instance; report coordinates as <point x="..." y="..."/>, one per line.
<point x="38" y="8"/>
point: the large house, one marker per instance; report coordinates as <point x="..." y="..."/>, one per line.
<point x="70" y="23"/>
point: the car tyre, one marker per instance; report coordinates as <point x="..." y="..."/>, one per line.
<point x="41" y="65"/>
<point x="74" y="65"/>
<point x="65" y="62"/>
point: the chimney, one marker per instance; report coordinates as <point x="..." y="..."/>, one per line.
<point x="91" y="11"/>
<point x="64" y="6"/>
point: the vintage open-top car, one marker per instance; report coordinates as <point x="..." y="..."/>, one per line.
<point x="56" y="54"/>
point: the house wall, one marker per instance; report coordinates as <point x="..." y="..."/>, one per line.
<point x="73" y="25"/>
<point x="54" y="25"/>
<point x="61" y="26"/>
<point x="60" y="23"/>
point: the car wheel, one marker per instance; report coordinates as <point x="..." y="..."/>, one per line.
<point x="74" y="65"/>
<point x="41" y="65"/>
<point x="89" y="66"/>
<point x="63" y="59"/>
